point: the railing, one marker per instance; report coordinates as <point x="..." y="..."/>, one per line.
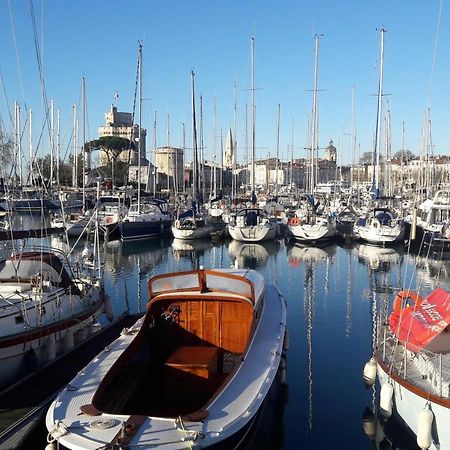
<point x="424" y="369"/>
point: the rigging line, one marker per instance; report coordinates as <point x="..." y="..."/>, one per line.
<point x="17" y="54"/>
<point x="136" y="86"/>
<point x="6" y="99"/>
<point x="433" y="63"/>
<point x="39" y="62"/>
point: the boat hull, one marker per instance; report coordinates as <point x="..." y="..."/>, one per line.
<point x="23" y="353"/>
<point x="135" y="230"/>
<point x="380" y="236"/>
<point x="257" y="233"/>
<point x="429" y="241"/>
<point x="409" y="400"/>
<point x="312" y="233"/>
<point x="192" y="233"/>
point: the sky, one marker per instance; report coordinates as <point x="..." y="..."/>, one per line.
<point x="98" y="40"/>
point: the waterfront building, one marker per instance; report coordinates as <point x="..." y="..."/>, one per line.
<point x="170" y="161"/>
<point x="120" y="124"/>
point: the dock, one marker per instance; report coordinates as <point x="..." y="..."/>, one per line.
<point x="24" y="404"/>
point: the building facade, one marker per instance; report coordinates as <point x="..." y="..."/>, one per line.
<point x="170" y="161"/>
<point x="120" y="124"/>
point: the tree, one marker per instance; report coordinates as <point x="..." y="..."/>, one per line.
<point x="113" y="146"/>
<point x="366" y="158"/>
<point x="406" y="155"/>
<point x="6" y="153"/>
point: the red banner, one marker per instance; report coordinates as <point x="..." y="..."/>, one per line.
<point x="418" y="325"/>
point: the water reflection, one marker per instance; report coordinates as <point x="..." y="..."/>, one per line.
<point x="251" y="255"/>
<point x="298" y="253"/>
<point x="325" y="287"/>
<point x="378" y="258"/>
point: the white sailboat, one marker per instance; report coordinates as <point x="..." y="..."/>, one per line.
<point x="380" y="226"/>
<point x="307" y="226"/>
<point x="147" y="218"/>
<point x="252" y="224"/>
<point x="191" y="225"/>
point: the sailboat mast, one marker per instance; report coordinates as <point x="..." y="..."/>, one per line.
<point x="74" y="147"/>
<point x="253" y="115"/>
<point x="83" y="103"/>
<point x="376" y="152"/>
<point x="30" y="131"/>
<point x="278" y="151"/>
<point x="314" y="143"/>
<point x="194" y="143"/>
<point x="140" y="125"/>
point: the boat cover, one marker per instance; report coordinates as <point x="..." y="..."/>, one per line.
<point x="418" y="325"/>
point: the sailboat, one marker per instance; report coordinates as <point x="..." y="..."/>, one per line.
<point x="252" y="224"/>
<point x="380" y="226"/>
<point x="149" y="218"/>
<point x="307" y="225"/>
<point x="191" y="224"/>
<point x="49" y="302"/>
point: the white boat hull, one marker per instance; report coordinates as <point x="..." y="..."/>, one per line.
<point x="381" y="235"/>
<point x="305" y="232"/>
<point x="257" y="233"/>
<point x="407" y="405"/>
<point x="194" y="233"/>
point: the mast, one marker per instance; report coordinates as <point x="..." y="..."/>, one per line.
<point x="202" y="158"/>
<point x="278" y="152"/>
<point x="194" y="144"/>
<point x="314" y="140"/>
<point x="234" y="154"/>
<point x="253" y="195"/>
<point x="154" y="159"/>
<point x="30" y="131"/>
<point x="140" y="125"/>
<point x="353" y="137"/>
<point x="376" y="151"/>
<point x="52" y="140"/>
<point x="214" y="174"/>
<point x="83" y="100"/>
<point x="74" y="147"/>
<point x="58" y="146"/>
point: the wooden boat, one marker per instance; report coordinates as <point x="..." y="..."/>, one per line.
<point x="411" y="360"/>
<point x="47" y="305"/>
<point x="192" y="373"/>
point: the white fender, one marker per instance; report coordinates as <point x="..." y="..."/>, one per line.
<point x="369" y="424"/>
<point x="424" y="424"/>
<point x="386" y="393"/>
<point x="370" y="372"/>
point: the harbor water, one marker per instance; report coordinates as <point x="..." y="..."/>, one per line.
<point x="332" y="293"/>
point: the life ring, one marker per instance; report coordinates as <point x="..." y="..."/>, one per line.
<point x="402" y="297"/>
<point x="295" y="221"/>
<point x="177" y="223"/>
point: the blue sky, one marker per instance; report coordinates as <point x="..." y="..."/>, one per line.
<point x="98" y="40"/>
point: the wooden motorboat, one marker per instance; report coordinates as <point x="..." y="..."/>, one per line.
<point x="193" y="372"/>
